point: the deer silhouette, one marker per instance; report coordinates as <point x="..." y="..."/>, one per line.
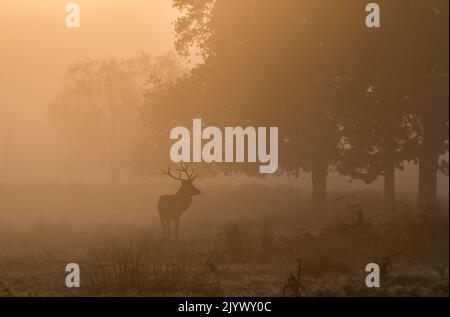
<point x="171" y="207"/>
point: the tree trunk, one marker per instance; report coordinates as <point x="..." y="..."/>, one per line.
<point x="319" y="187"/>
<point x="389" y="175"/>
<point x="428" y="170"/>
<point x="428" y="164"/>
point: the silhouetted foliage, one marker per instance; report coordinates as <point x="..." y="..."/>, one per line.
<point x="95" y="109"/>
<point x="347" y="98"/>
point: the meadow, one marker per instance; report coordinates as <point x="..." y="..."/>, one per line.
<point x="235" y="240"/>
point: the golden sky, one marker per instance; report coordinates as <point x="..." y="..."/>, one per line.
<point x="35" y="40"/>
<point x="36" y="47"/>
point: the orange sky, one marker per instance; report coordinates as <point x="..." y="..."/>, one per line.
<point x="36" y="47"/>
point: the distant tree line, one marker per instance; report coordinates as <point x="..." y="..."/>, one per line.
<point x="96" y="107"/>
<point x="347" y="99"/>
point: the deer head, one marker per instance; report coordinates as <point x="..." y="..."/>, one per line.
<point x="187" y="187"/>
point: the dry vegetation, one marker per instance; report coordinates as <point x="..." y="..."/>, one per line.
<point x="228" y="247"/>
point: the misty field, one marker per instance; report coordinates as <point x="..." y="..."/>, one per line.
<point x="234" y="241"/>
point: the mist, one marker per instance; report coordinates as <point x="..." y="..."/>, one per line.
<point x="86" y="174"/>
<point x="37" y="48"/>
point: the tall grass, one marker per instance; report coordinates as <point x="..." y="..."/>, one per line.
<point x="149" y="267"/>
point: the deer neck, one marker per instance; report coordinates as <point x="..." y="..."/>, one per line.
<point x="182" y="195"/>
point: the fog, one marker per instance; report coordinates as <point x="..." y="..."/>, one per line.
<point x="36" y="49"/>
<point x="85" y="117"/>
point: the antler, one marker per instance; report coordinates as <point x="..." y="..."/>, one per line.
<point x="188" y="172"/>
<point x="191" y="176"/>
<point x="169" y="173"/>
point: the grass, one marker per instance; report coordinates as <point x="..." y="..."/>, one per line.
<point x="253" y="252"/>
<point x="149" y="267"/>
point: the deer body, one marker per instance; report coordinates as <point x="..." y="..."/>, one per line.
<point x="171" y="207"/>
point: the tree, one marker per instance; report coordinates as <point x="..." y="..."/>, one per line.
<point x="343" y="95"/>
<point x="380" y="131"/>
<point x="272" y="62"/>
<point x="95" y="110"/>
<point x="400" y="72"/>
<point x="429" y="44"/>
<point x="164" y="107"/>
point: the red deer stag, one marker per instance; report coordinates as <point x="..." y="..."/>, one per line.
<point x="171" y="207"/>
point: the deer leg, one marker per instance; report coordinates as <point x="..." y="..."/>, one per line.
<point x="164" y="225"/>
<point x="176" y="229"/>
<point x="168" y="230"/>
<point x="164" y="228"/>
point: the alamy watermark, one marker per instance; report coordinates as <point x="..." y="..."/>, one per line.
<point x="73" y="15"/>
<point x="227" y="146"/>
